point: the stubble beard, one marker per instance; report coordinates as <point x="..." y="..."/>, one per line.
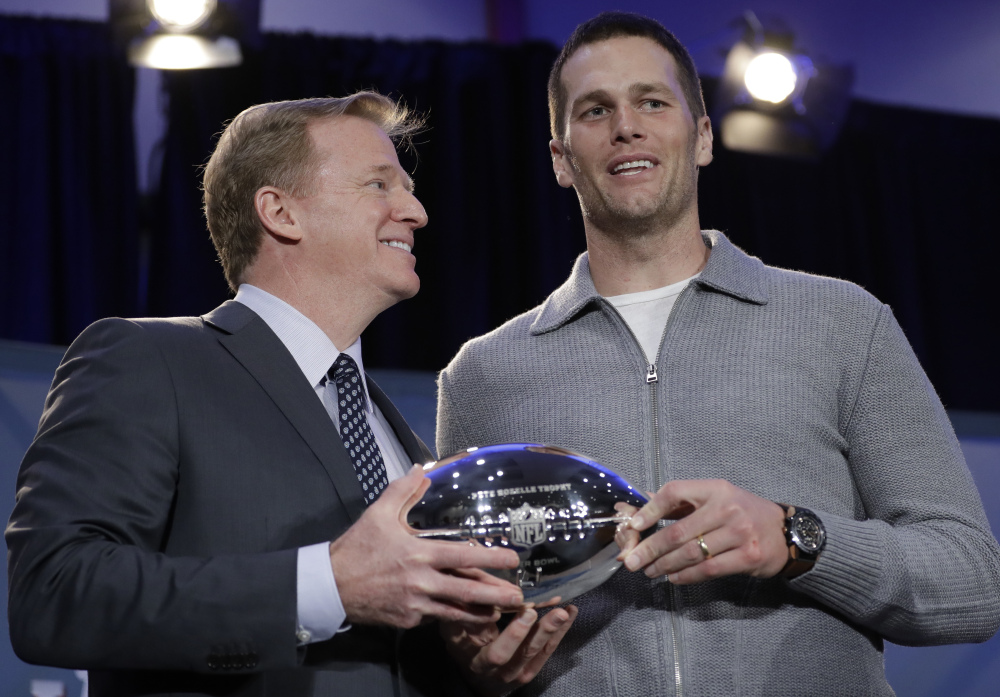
<point x="634" y="220"/>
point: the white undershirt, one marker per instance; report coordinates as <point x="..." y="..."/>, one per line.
<point x="646" y="313"/>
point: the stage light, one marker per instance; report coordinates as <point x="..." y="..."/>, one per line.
<point x="181" y="15"/>
<point x="770" y="77"/>
<point x="185" y="34"/>
<point x="184" y="52"/>
<point x="774" y="100"/>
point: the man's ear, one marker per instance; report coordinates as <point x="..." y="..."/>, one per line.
<point x="561" y="165"/>
<point x="276" y="214"/>
<point x="703" y="148"/>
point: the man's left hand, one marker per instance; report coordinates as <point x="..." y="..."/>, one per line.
<point x="496" y="662"/>
<point x="720" y="530"/>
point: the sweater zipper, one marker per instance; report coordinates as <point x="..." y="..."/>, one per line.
<point x="652" y="379"/>
<point x="673" y="592"/>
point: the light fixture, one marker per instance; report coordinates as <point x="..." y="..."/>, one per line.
<point x="183" y="34"/>
<point x="770" y="77"/>
<point x="774" y="100"/>
<point x="181" y="15"/>
<point x="184" y="52"/>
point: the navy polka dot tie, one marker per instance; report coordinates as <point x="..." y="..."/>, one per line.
<point x="354" y="429"/>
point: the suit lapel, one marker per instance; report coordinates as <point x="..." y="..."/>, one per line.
<point x="251" y="342"/>
<point x="414" y="447"/>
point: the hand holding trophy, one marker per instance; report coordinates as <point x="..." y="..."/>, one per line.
<point x="555" y="508"/>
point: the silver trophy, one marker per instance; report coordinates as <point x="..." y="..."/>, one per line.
<point x="554" y="507"/>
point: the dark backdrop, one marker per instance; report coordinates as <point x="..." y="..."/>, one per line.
<point x="903" y="204"/>
<point x="67" y="179"/>
<point x="498" y="239"/>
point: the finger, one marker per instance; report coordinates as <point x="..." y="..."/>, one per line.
<point x="734" y="549"/>
<point x="674" y="537"/>
<point x="692" y="553"/>
<point x="548" y="603"/>
<point x="626" y="538"/>
<point x="399" y="493"/>
<point x="553" y="628"/>
<point x="475" y="574"/>
<point x="461" y="555"/>
<point x="547" y="627"/>
<point x="469" y="614"/>
<point x="725" y="564"/>
<point x="416" y="494"/>
<point x="675" y="499"/>
<point x="467" y="592"/>
<point x="466" y="635"/>
<point x="625" y="508"/>
<point x="648" y="551"/>
<point x="503" y="649"/>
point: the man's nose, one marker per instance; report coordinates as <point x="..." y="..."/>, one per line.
<point x="626" y="126"/>
<point x="409" y="210"/>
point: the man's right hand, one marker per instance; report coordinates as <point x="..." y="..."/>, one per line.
<point x="386" y="575"/>
<point x="495" y="662"/>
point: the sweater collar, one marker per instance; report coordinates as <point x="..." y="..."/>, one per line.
<point x="729" y="270"/>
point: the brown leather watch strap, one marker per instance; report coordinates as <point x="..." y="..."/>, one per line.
<point x="794" y="566"/>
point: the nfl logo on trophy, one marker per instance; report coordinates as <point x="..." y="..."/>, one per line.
<point x="527" y="525"/>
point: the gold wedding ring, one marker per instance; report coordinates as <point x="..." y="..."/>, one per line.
<point x="704" y="547"/>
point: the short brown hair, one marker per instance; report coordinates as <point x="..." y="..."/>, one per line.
<point x="269" y="145"/>
<point x="612" y="25"/>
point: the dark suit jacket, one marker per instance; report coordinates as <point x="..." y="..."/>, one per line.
<point x="178" y="466"/>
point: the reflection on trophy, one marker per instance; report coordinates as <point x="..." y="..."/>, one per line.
<point x="554" y="507"/>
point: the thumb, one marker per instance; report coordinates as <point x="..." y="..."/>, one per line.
<point x="404" y="493"/>
<point x="399" y="493"/>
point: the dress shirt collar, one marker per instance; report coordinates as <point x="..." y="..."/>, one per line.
<point x="309" y="345"/>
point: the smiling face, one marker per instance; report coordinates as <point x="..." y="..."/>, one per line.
<point x="632" y="149"/>
<point x="358" y="217"/>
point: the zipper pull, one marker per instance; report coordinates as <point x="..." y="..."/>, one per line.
<point x="651" y="373"/>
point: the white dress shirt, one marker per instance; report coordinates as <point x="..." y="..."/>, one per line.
<point x="321" y="613"/>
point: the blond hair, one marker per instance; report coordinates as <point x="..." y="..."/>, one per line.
<point x="269" y="145"/>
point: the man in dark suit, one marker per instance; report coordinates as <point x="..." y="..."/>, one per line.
<point x="216" y="505"/>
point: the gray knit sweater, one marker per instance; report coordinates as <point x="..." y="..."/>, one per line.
<point x="797" y="388"/>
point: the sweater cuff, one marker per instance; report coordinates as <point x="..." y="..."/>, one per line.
<point x="847" y="572"/>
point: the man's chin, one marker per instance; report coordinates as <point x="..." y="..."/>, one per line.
<point x="409" y="290"/>
<point x="639" y="215"/>
<point x="628" y="222"/>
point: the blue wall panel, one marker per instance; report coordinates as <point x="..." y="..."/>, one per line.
<point x="956" y="671"/>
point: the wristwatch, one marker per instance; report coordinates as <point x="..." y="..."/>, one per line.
<point x="805" y="535"/>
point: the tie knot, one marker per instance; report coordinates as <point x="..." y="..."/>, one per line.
<point x="344" y="368"/>
<point x="345" y="375"/>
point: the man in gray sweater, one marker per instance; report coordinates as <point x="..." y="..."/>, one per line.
<point x="819" y="498"/>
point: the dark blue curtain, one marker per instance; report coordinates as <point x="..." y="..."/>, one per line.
<point x="500" y="235"/>
<point x="68" y="231"/>
<point x="903" y="204"/>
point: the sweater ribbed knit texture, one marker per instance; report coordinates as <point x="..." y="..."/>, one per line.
<point x="798" y="388"/>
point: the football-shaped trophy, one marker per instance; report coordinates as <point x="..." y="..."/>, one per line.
<point x="554" y="507"/>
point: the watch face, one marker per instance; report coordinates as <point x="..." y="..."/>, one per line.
<point x="807" y="533"/>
